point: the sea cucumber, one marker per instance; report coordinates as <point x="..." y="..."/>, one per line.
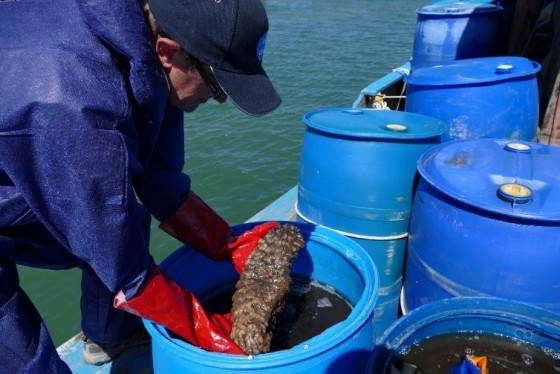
<point x="261" y="288"/>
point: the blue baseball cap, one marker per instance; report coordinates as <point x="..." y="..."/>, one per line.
<point x="230" y="37"/>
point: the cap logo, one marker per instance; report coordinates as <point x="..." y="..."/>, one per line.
<point x="260" y="46"/>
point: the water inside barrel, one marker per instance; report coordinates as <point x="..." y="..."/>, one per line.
<point x="505" y="355"/>
<point x="311" y="308"/>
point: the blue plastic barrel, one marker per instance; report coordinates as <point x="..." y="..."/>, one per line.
<point x="503" y="319"/>
<point x="486" y="222"/>
<point x="492" y="97"/>
<point x="356" y="174"/>
<point x="328" y="258"/>
<point x="454" y="31"/>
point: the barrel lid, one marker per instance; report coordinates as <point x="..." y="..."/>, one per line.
<point x="458" y="8"/>
<point x="510" y="177"/>
<point x="374" y="123"/>
<point x="474" y="70"/>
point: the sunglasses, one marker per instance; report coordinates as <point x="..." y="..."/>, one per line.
<point x="219" y="94"/>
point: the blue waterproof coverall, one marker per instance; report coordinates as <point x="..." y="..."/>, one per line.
<point x="85" y="130"/>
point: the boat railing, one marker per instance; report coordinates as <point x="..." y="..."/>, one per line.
<point x="390" y="86"/>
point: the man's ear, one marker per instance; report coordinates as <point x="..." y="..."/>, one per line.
<point x="166" y="49"/>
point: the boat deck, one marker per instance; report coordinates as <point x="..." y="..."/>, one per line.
<point x="139" y="360"/>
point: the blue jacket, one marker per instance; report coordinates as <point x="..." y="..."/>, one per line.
<point x="85" y="129"/>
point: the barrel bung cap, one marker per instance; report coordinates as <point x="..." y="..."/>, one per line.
<point x="514" y="192"/>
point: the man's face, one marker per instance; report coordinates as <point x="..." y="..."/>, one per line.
<point x="189" y="89"/>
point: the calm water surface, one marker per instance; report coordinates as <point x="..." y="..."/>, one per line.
<point x="319" y="54"/>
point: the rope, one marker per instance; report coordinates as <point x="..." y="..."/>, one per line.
<point x="403" y="92"/>
<point x="402" y="71"/>
<point x="554" y="133"/>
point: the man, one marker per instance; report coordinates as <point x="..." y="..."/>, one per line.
<point x="91" y="119"/>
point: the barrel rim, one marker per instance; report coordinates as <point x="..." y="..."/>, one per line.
<point x="506" y="210"/>
<point x="451" y="74"/>
<point x="372" y="131"/>
<point x="462" y="9"/>
<point x="465" y="306"/>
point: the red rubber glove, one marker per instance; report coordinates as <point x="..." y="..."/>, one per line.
<point x="164" y="302"/>
<point x="244" y="244"/>
<point x="198" y="226"/>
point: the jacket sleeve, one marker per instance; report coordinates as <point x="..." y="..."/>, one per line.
<point x="162" y="186"/>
